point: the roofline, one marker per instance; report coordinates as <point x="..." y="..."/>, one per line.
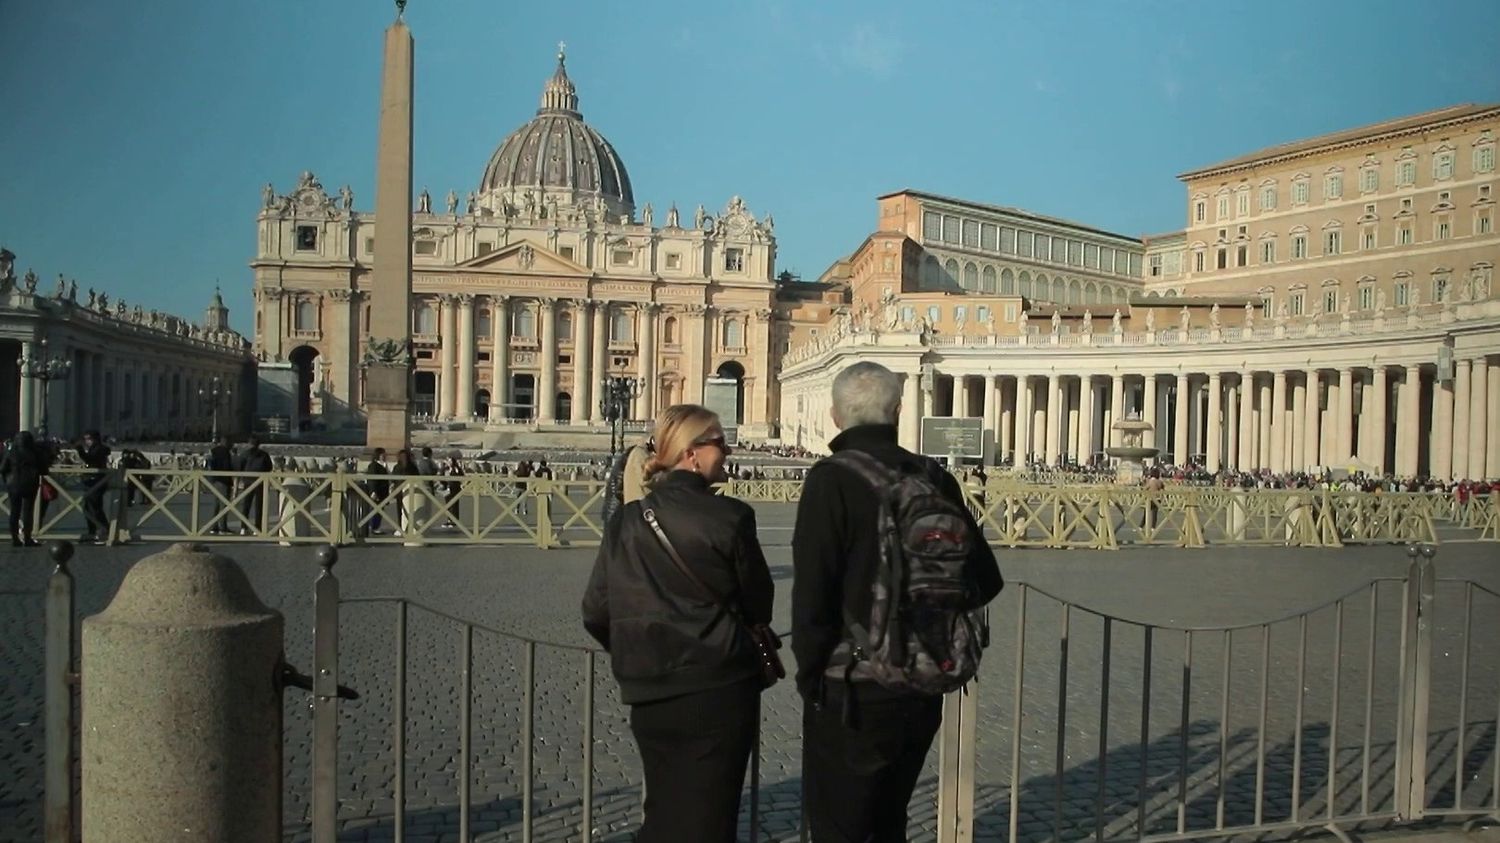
<point x="1449" y="116"/>
<point x="1020" y="212"/>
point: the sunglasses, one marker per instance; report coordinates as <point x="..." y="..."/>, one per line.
<point x="718" y="442"/>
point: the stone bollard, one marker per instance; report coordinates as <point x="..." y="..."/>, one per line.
<point x="182" y="702"/>
<point x="294" y="521"/>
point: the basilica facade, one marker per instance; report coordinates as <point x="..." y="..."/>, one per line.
<point x="530" y="290"/>
<point x="1329" y="303"/>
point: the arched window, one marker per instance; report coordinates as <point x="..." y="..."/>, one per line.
<point x="1025" y="288"/>
<point x="987" y="280"/>
<point x="734" y="333"/>
<point x="1007" y="282"/>
<point x="1074" y="295"/>
<point x="669" y="331"/>
<point x="620" y="326"/>
<point x="565" y="326"/>
<point x="483" y="323"/>
<point x="1040" y="289"/>
<point x="523" y="323"/>
<point x="932" y="274"/>
<point x="950" y="271"/>
<point x="1091" y="293"/>
<point x="971" y="276"/>
<point x="306" y="315"/>
<point x="1058" y="293"/>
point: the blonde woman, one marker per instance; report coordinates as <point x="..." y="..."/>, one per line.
<point x="675" y="629"/>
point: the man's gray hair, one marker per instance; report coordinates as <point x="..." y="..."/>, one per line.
<point x="866" y="393"/>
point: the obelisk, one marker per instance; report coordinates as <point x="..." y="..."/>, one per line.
<point x="388" y="358"/>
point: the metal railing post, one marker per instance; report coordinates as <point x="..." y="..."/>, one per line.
<point x="61" y="649"/>
<point x="325" y="699"/>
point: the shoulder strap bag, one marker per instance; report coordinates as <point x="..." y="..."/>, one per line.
<point x="766" y="641"/>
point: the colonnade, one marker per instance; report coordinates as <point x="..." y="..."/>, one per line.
<point x="1382" y="418"/>
<point x="574" y="360"/>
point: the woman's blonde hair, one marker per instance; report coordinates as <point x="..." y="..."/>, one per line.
<point x="677" y="428"/>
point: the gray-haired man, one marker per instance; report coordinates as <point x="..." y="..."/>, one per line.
<point x="863" y="743"/>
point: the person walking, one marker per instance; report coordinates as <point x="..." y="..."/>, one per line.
<point x="678" y="583"/>
<point x="872" y="672"/>
<point x="24" y="466"/>
<point x="94" y="454"/>
<point x="256" y="460"/>
<point x="219" y="464"/>
<point x="379" y="489"/>
<point x="453" y="470"/>
<point x="406" y="496"/>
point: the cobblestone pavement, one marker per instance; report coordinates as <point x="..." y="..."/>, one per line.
<point x="1071" y="775"/>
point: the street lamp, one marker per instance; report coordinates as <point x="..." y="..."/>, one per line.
<point x="616" y="392"/>
<point x="45" y="368"/>
<point x="215" y="395"/>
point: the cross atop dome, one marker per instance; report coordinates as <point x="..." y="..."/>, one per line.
<point x="559" y="94"/>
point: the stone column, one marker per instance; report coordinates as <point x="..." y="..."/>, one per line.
<point x="1492" y="450"/>
<point x="343" y="340"/>
<point x="759" y="342"/>
<point x="1149" y="414"/>
<point x="1215" y="431"/>
<point x="1479" y="421"/>
<point x="1231" y="413"/>
<point x="447" y="352"/>
<point x="1180" y="421"/>
<point x="26" y="418"/>
<point x="1246" y="454"/>
<point x="1312" y="426"/>
<point x="695" y="345"/>
<point x="1024" y="418"/>
<point x="960" y="405"/>
<point x="1345" y="446"/>
<point x="911" y="403"/>
<point x="1116" y="405"/>
<point x="1263" y="436"/>
<point x="1085" y="449"/>
<point x="499" y="356"/>
<point x="647" y="401"/>
<point x="1007" y="421"/>
<point x="583" y="359"/>
<point x="1296" y="426"/>
<point x="1054" y="405"/>
<point x="1462" y="381"/>
<point x="1411" y="400"/>
<point x="1440" y="449"/>
<point x="463" y="406"/>
<point x="991" y="417"/>
<point x="601" y="356"/>
<point x="546" y="394"/>
<point x="1278" y="421"/>
<point x="1381" y="391"/>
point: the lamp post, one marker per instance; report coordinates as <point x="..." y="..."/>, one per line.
<point x="213" y="396"/>
<point x="616" y="392"/>
<point x="45" y="368"/>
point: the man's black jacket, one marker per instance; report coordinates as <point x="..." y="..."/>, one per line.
<point x="835" y="550"/>
<point x="664" y="637"/>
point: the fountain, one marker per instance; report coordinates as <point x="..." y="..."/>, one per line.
<point x="1131" y="452"/>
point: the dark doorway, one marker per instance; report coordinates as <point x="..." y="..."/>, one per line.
<point x="523" y="397"/>
<point x="732" y="370"/>
<point x="482" y="404"/>
<point x="563" y="408"/>
<point x="424" y="393"/>
<point x="305" y="359"/>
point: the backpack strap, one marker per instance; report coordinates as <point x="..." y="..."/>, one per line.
<point x="682" y="565"/>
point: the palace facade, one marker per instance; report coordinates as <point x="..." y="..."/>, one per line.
<point x="530" y="290"/>
<point x="1329" y="303"/>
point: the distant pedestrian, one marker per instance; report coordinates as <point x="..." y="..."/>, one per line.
<point x="253" y="460"/>
<point x="220" y="463"/>
<point x="94" y="454"/>
<point x="24" y="468"/>
<point x="454" y="486"/>
<point x="377" y="488"/>
<point x="407" y="499"/>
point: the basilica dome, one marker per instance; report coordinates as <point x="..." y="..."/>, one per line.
<point x="557" y="152"/>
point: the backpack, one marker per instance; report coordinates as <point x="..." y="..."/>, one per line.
<point x="922" y="635"/>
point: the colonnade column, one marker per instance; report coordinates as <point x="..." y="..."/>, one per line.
<point x="1085" y="420"/>
<point x="1296" y="425"/>
<point x="464" y="406"/>
<point x="1180" y="421"/>
<point x="1215" y="433"/>
<point x="1344" y="447"/>
<point x="1381" y="389"/>
<point x="1312" y="426"/>
<point x="1116" y="406"/>
<point x="1462" y="381"/>
<point x="911" y="399"/>
<point x="991" y="427"/>
<point x="1149" y="411"/>
<point x="647" y="402"/>
<point x="1232" y="425"/>
<point x="1492" y="450"/>
<point x="546" y="394"/>
<point x="1278" y="421"/>
<point x="1263" y="428"/>
<point x="1479" y="422"/>
<point x="1024" y="415"/>
<point x="499" y="356"/>
<point x="1440" y="463"/>
<point x="1054" y="400"/>
<point x="448" y="327"/>
<point x="583" y="361"/>
<point x="1246" y="452"/>
<point x="27" y="418"/>
<point x="1408" y="457"/>
<point x="600" y="350"/>
<point x="960" y="405"/>
<point x="694" y="349"/>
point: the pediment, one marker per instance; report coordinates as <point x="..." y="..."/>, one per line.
<point x="526" y="259"/>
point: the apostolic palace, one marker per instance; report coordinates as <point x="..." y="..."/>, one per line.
<point x="1328" y="303"/>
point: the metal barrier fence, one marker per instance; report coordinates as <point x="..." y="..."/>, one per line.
<point x="1332" y="743"/>
<point x="59" y="689"/>
<point x="358" y="509"/>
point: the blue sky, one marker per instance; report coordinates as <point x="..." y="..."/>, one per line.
<point x="135" y="136"/>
